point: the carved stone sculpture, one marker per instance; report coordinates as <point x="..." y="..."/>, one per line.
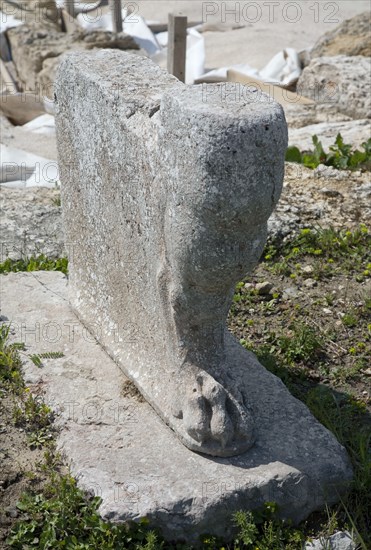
<point x="166" y="191"/>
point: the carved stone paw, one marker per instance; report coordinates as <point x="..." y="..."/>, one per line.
<point x="214" y="420"/>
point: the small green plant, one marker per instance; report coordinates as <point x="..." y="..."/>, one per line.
<point x="302" y="343"/>
<point x="10" y="362"/>
<point x="57" y="200"/>
<point x="34" y="263"/>
<point x="37" y="358"/>
<point x="341" y="155"/>
<point x="35" y="418"/>
<point x="62" y="516"/>
<point x="350" y="320"/>
<point x="329" y="249"/>
<point x="262" y="530"/>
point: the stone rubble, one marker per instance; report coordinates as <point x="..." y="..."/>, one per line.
<point x="352" y="37"/>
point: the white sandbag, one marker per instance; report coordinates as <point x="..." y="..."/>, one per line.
<point x="284" y="68"/>
<point x="195" y="60"/>
<point x="102" y="22"/>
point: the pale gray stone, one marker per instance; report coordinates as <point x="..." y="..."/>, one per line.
<point x="342" y="540"/>
<point x="351" y="37"/>
<point x="34" y="46"/>
<point x="342" y="82"/>
<point x="354" y="132"/>
<point x="166" y="191"/>
<point x="264" y="287"/>
<point x="119" y="449"/>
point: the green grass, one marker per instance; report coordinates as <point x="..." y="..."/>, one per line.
<point x="331" y="251"/>
<point x="62" y="516"/>
<point x="34" y="263"/>
<point x="348" y="419"/>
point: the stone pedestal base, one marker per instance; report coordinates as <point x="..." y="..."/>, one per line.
<point x="119" y="448"/>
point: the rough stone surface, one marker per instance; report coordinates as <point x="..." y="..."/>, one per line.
<point x="165" y="236"/>
<point x="352" y="37"/>
<point x="31" y="216"/>
<point x="31" y="45"/>
<point x="30" y="223"/>
<point x="354" y="132"/>
<point x="120" y="449"/>
<point x="341" y="81"/>
<point x="339" y="541"/>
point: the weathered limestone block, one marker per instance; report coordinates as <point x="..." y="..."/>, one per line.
<point x="166" y="191"/>
<point x="351" y="37"/>
<point x="36" y="50"/>
<point x="341" y="81"/>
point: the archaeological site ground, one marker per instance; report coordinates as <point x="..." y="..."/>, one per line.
<point x="185" y="275"/>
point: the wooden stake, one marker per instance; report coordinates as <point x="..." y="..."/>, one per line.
<point x="70" y="7"/>
<point x="115" y="6"/>
<point x="177" y="45"/>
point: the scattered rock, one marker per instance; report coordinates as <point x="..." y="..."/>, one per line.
<point x="12" y="512"/>
<point x="330" y="192"/>
<point x="338" y="541"/>
<point x="249" y="287"/>
<point x="355" y="132"/>
<point x="330" y="172"/>
<point x="341" y="81"/>
<point x="364" y="190"/>
<point x="307" y="269"/>
<point x="290" y="292"/>
<point x="310" y="283"/>
<point x="264" y="287"/>
<point x="31" y="48"/>
<point x="352" y="37"/>
<point x="327" y="311"/>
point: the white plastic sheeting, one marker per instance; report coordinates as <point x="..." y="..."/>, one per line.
<point x="7" y="21"/>
<point x="155" y="45"/>
<point x="43" y="124"/>
<point x="283" y="70"/>
<point x="22" y="169"/>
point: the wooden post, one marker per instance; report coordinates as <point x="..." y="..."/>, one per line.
<point x="177" y="45"/>
<point x="70" y="7"/>
<point x="115" y="6"/>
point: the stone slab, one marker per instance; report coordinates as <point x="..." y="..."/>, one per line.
<point x="118" y="447"/>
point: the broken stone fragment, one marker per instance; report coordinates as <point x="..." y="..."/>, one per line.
<point x="264" y="288"/>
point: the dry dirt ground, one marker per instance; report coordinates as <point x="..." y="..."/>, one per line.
<point x="20" y="467"/>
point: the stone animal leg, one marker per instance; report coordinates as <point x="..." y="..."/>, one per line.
<point x="207" y="399"/>
<point x="214" y="234"/>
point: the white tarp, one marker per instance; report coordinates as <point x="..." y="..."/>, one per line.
<point x="43" y="124"/>
<point x="7" y="21"/>
<point x="155" y="45"/>
<point x="283" y="70"/>
<point x="22" y="169"/>
<point x="133" y="25"/>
